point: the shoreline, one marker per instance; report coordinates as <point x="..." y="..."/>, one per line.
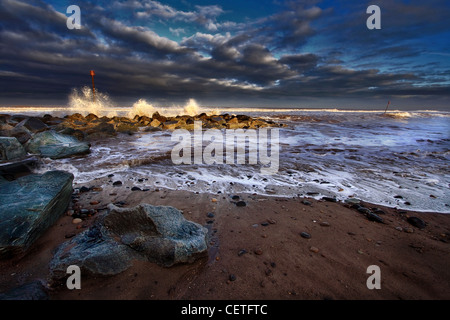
<point x="260" y="247"/>
<point x="256" y="252"/>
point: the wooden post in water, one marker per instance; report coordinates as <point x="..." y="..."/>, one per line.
<point x="93" y="85"/>
<point x="384" y="110"/>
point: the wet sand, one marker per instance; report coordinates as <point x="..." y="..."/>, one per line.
<point x="256" y="252"/>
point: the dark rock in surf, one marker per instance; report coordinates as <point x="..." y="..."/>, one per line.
<point x="241" y="204"/>
<point x="55" y="145"/>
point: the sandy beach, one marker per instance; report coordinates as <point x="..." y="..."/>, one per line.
<point x="257" y="252"/>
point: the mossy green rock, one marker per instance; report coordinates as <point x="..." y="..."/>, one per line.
<point x="55" y="145"/>
<point x="11" y="149"/>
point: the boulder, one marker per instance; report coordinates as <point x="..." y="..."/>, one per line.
<point x="155" y="123"/>
<point x="171" y="124"/>
<point x="102" y="129"/>
<point x="50" y="120"/>
<point x="11" y="149"/>
<point x="28" y="206"/>
<point x="33" y="124"/>
<point x="55" y="145"/>
<point x="94" y="251"/>
<point x="159" y="117"/>
<point x="21" y="133"/>
<point x="75" y="116"/>
<point x="157" y="234"/>
<point x="91" y="117"/>
<point x="237" y="125"/>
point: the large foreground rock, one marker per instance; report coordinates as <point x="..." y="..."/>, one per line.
<point x="28" y="206"/>
<point x="55" y="145"/>
<point x="158" y="234"/>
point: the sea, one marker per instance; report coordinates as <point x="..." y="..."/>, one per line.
<point x="397" y="159"/>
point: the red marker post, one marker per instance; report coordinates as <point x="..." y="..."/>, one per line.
<point x="384" y="110"/>
<point x="93" y="85"/>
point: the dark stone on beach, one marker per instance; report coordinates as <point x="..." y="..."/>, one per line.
<point x="33" y="124"/>
<point x="241" y="204"/>
<point x="21" y="133"/>
<point x="73" y="132"/>
<point x="29" y="205"/>
<point x="241" y="252"/>
<point x="136" y="189"/>
<point x="159" y="117"/>
<point x="11" y="149"/>
<point x="329" y="199"/>
<point x="210" y="215"/>
<point x="117" y="183"/>
<point x="306" y="202"/>
<point x="17" y="166"/>
<point x="50" y="120"/>
<point x="103" y="129"/>
<point x="75" y="116"/>
<point x="94" y="252"/>
<point x="158" y="234"/>
<point x="55" y="145"/>
<point x="171" y="125"/>
<point x="352" y="201"/>
<point x="364" y="210"/>
<point x="235" y="197"/>
<point x="242" y="117"/>
<point x="373" y="217"/>
<point x="398" y="197"/>
<point x="377" y="211"/>
<point x="305" y="235"/>
<point x="217" y="119"/>
<point x="91" y="117"/>
<point x="30" y="291"/>
<point x="416" y="222"/>
<point x="84" y="189"/>
<point x="313" y="194"/>
<point x="232" y="277"/>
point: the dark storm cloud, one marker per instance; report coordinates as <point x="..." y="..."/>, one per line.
<point x="261" y="59"/>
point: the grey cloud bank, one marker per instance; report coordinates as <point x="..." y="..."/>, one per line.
<point x="304" y="55"/>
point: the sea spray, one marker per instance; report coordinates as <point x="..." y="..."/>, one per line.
<point x="81" y="101"/>
<point x="191" y="108"/>
<point x="141" y="108"/>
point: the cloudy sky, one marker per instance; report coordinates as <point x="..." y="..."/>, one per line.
<point x="229" y="53"/>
